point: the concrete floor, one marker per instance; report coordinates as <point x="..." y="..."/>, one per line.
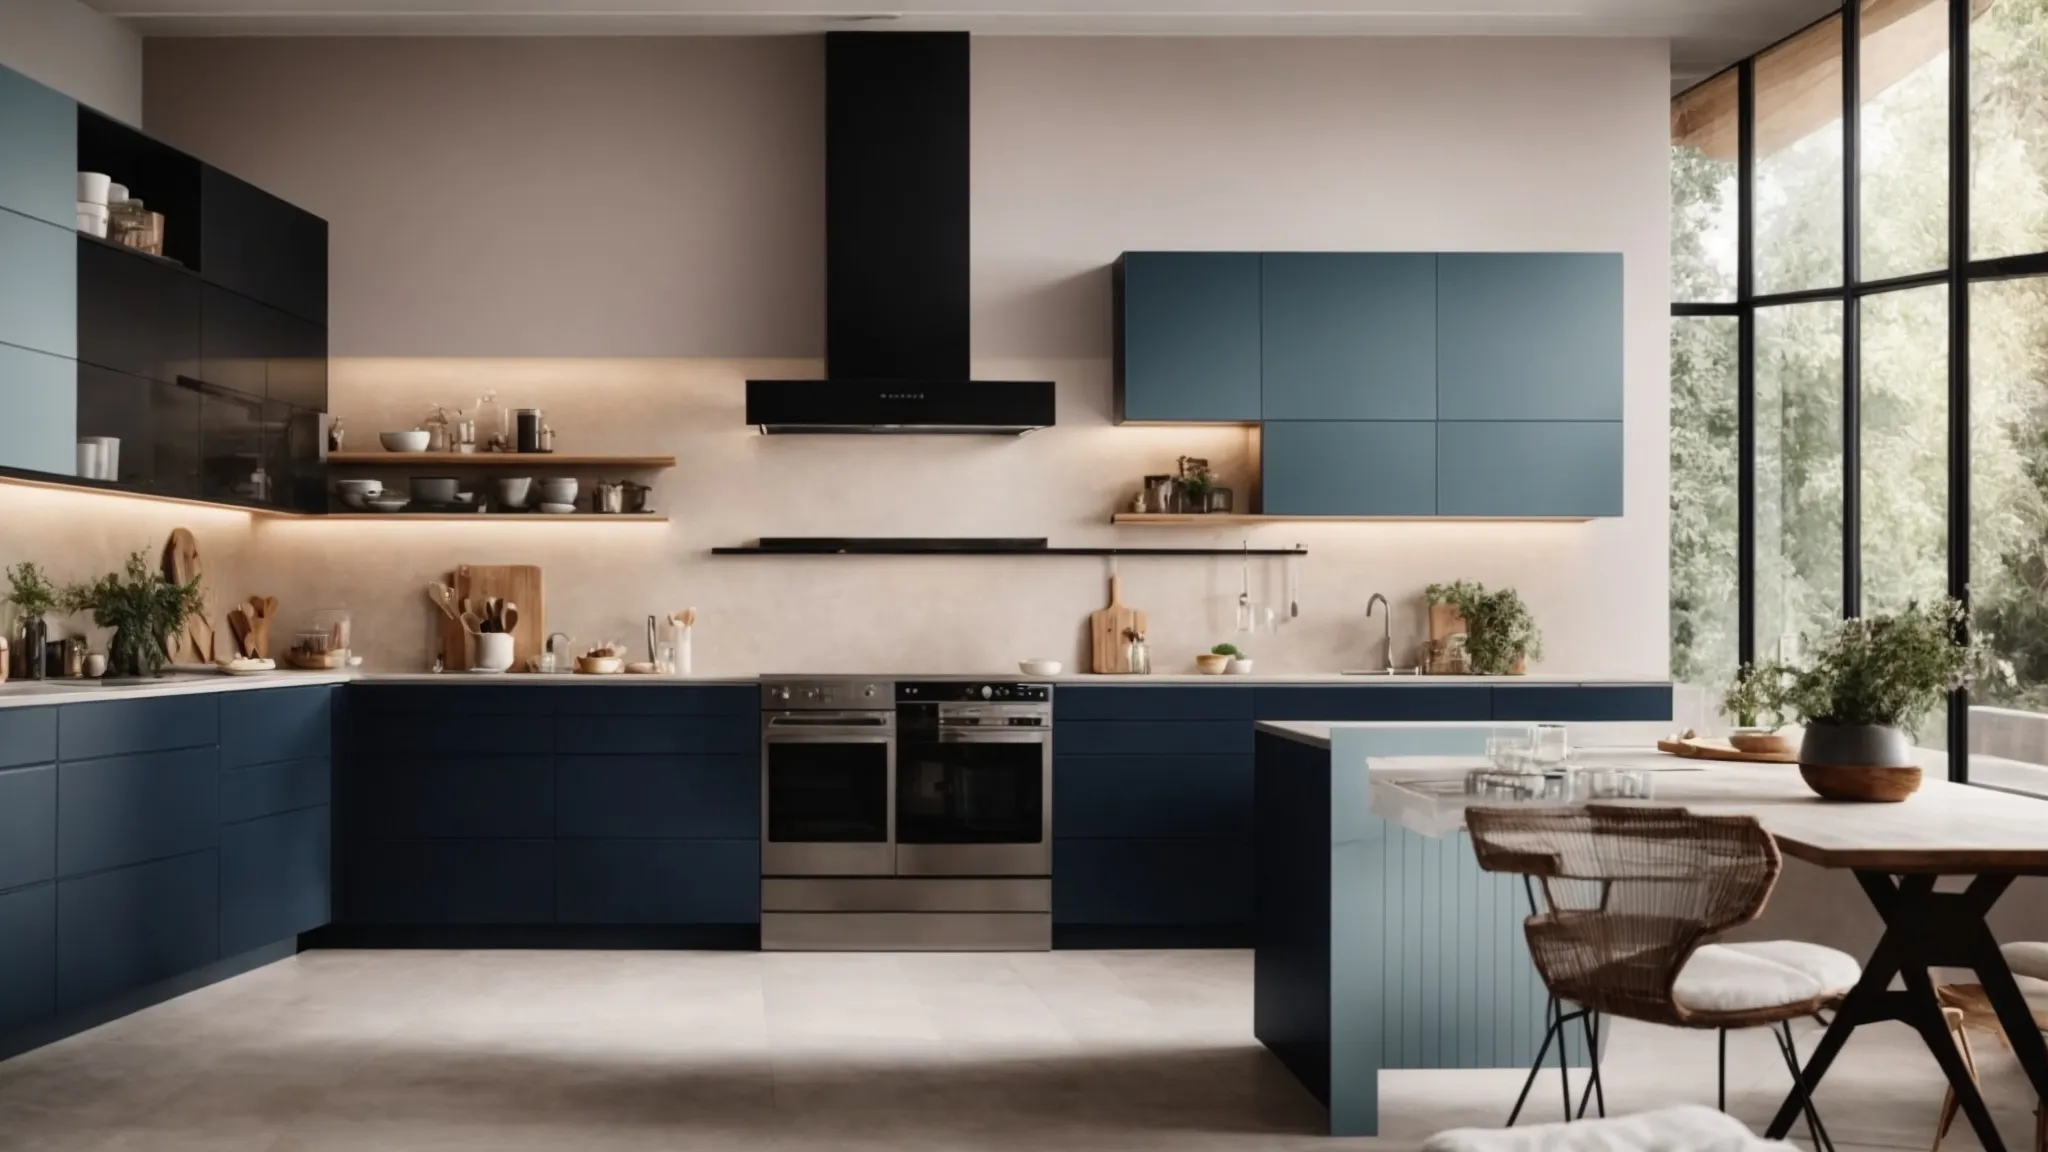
<point x="642" y="1050"/>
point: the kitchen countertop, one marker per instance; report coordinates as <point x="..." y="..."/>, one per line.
<point x="1589" y="737"/>
<point x="42" y="693"/>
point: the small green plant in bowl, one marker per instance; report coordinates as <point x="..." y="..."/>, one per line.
<point x="1236" y="659"/>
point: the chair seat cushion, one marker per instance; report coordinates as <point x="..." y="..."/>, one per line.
<point x="2027" y="958"/>
<point x="1766" y="974"/>
<point x="1691" y="1128"/>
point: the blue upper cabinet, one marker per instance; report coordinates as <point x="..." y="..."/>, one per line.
<point x="1349" y="336"/>
<point x="38" y="284"/>
<point x="1529" y="336"/>
<point x="1529" y="469"/>
<point x="1349" y="468"/>
<point x="1187" y="337"/>
<point x="39" y="144"/>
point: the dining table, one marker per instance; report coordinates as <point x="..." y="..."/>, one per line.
<point x="1977" y="838"/>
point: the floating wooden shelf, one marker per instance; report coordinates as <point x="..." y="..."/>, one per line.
<point x="534" y="461"/>
<point x="1237" y="519"/>
<point x="756" y="550"/>
<point x="500" y="517"/>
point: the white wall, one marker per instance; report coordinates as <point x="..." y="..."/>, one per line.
<point x="70" y="47"/>
<point x="603" y="228"/>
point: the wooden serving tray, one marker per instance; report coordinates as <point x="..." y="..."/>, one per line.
<point x="1700" y="748"/>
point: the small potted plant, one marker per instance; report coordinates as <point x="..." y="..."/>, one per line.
<point x="142" y="606"/>
<point x="1756" y="702"/>
<point x="1216" y="661"/>
<point x="1867" y="684"/>
<point x="1501" y="636"/>
<point x="1236" y="660"/>
<point x="33" y="597"/>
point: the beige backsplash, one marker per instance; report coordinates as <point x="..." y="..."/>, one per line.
<point x="901" y="614"/>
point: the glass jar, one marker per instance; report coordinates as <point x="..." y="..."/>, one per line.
<point x="1139" y="656"/>
<point x="334" y="632"/>
<point x="493" y="423"/>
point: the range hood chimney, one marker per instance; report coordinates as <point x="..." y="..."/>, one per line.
<point x="896" y="240"/>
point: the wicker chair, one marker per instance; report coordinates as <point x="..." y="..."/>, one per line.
<point x="1630" y="899"/>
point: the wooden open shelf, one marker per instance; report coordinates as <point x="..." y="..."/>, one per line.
<point x="530" y="460"/>
<point x="500" y="517"/>
<point x="1243" y="519"/>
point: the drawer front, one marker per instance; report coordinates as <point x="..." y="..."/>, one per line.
<point x="1119" y="797"/>
<point x="122" y="727"/>
<point x="28" y="825"/>
<point x="657" y="735"/>
<point x="658" y="797"/>
<point x="455" y="699"/>
<point x="38" y="285"/>
<point x="1410" y="702"/>
<point x="482" y="797"/>
<point x="39" y="137"/>
<point x="1349" y="468"/>
<point x="28" y="956"/>
<point x="267" y="789"/>
<point x="1553" y="468"/>
<point x="448" y="882"/>
<point x="658" y="881"/>
<point x="127" y="809"/>
<point x="273" y="878"/>
<point x="1152" y="882"/>
<point x="1583" y="702"/>
<point x="1153" y="738"/>
<point x="131" y="927"/>
<point x="27" y="736"/>
<point x="660" y="700"/>
<point x="1152" y="703"/>
<point x="474" y="733"/>
<point x="275" y="724"/>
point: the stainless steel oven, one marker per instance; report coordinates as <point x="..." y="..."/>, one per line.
<point x="828" y="778"/>
<point x="973" y="780"/>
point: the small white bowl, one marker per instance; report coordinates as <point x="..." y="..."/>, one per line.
<point x="513" y="490"/>
<point x="93" y="188"/>
<point x="554" y="509"/>
<point x="1040" y="667"/>
<point x="413" y="441"/>
<point x="1240" y="667"/>
<point x="354" y="492"/>
<point x="557" y="489"/>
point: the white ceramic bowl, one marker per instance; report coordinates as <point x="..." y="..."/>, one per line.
<point x="1040" y="667"/>
<point x="354" y="492"/>
<point x="386" y="503"/>
<point x="1240" y="667"/>
<point x="554" y="509"/>
<point x="433" y="489"/>
<point x="93" y="188"/>
<point x="513" y="490"/>
<point x="558" y="490"/>
<point x="413" y="441"/>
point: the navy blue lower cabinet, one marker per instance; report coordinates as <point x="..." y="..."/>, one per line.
<point x="1152" y="738"/>
<point x="274" y="878"/>
<point x="457" y="733"/>
<point x="1097" y="797"/>
<point x="125" y="727"/>
<point x="466" y="796"/>
<point x="131" y="927"/>
<point x="28" y="956"/>
<point x="127" y="809"/>
<point x="28" y="825"/>
<point x="368" y="703"/>
<point x="1191" y="702"/>
<point x="658" y="797"/>
<point x="1152" y="882"/>
<point x="1376" y="701"/>
<point x="658" y="735"/>
<point x="1582" y="702"/>
<point x="275" y="724"/>
<point x="660" y="700"/>
<point x="658" y="881"/>
<point x="447" y="882"/>
<point x="267" y="789"/>
<point x="27" y="736"/>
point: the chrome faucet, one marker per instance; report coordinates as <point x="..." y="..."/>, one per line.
<point x="1386" y="628"/>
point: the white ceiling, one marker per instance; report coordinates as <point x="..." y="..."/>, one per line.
<point x="1705" y="35"/>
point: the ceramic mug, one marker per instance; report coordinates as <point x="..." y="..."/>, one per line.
<point x="493" y="652"/>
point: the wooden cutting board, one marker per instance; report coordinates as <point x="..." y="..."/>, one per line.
<point x="1109" y="644"/>
<point x="519" y="583"/>
<point x="194" y="644"/>
<point x="1700" y="748"/>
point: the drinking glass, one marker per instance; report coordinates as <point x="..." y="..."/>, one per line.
<point x="1508" y="749"/>
<point x="1550" y="744"/>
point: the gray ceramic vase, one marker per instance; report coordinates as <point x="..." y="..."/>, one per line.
<point x="1856" y="746"/>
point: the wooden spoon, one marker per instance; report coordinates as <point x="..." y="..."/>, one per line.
<point x="472" y="623"/>
<point x="508" y="615"/>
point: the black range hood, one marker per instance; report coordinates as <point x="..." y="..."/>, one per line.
<point x="896" y="250"/>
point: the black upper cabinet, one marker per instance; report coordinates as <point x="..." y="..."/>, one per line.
<point x="262" y="246"/>
<point x="298" y="363"/>
<point x="164" y="179"/>
<point x="136" y="316"/>
<point x="259" y="351"/>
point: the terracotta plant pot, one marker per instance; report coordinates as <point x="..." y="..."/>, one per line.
<point x="1868" y="763"/>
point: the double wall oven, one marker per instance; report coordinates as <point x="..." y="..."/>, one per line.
<point x="906" y="815"/>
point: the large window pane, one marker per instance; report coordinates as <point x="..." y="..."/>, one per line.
<point x="1798" y="484"/>
<point x="1705" y="493"/>
<point x="1904" y="146"/>
<point x="1799" y="162"/>
<point x="1705" y="130"/>
<point x="1904" y="448"/>
<point x="2009" y="128"/>
<point x="2009" y="527"/>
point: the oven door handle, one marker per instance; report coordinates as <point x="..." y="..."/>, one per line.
<point x="829" y="736"/>
<point x="994" y="736"/>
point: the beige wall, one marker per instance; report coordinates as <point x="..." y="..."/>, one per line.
<point x="477" y="243"/>
<point x="75" y="50"/>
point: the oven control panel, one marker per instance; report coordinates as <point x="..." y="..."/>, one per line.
<point x="835" y="695"/>
<point x="971" y="692"/>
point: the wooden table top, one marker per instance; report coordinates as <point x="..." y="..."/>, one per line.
<point x="1944" y="829"/>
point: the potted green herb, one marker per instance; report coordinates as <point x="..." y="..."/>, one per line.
<point x="33" y="597"/>
<point x="1500" y="633"/>
<point x="1236" y="660"/>
<point x="142" y="607"/>
<point x="1756" y="702"/>
<point x="1867" y="684"/>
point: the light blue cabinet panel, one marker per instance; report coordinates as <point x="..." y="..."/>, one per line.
<point x="1529" y="336"/>
<point x="39" y="140"/>
<point x="28" y="825"/>
<point x="1349" y="336"/>
<point x="1349" y="468"/>
<point x="38" y="285"/>
<point x="38" y="408"/>
<point x="1547" y="468"/>
<point x="1187" y="337"/>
